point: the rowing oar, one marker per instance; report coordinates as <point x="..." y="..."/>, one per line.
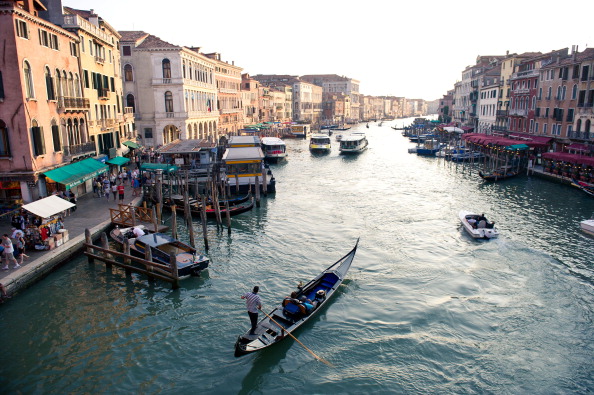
<point x="297" y="340"/>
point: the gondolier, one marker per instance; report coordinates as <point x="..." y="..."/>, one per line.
<point x="253" y="304"/>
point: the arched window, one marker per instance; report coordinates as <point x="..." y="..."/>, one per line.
<point x="128" y="73"/>
<point x="4" y="144"/>
<point x="574" y="92"/>
<point x="30" y="93"/>
<point x="59" y="84"/>
<point x="587" y="129"/>
<point x="168" y="102"/>
<point x="49" y="84"/>
<point x="64" y="84"/>
<point x="578" y="125"/>
<point x="130" y="102"/>
<point x="71" y="91"/>
<point x="166" y="68"/>
<point x="77" y="92"/>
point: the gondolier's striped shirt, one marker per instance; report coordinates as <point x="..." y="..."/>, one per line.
<point x="252" y="301"/>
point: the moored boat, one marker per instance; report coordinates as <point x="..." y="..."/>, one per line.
<point x="477" y="225"/>
<point x="296" y="310"/>
<point x="320" y="143"/>
<point x="189" y="262"/>
<point x="584" y="186"/>
<point x="196" y="208"/>
<point x="353" y="143"/>
<point x="498" y="174"/>
<point x="274" y="149"/>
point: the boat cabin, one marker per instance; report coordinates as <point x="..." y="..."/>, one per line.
<point x="302" y="131"/>
<point x="243" y="141"/>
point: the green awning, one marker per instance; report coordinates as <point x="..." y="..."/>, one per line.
<point x="517" y="147"/>
<point x="153" y="167"/>
<point x="131" y="144"/>
<point x="76" y="173"/>
<point x="118" y="160"/>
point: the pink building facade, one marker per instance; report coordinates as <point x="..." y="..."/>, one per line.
<point x="40" y="99"/>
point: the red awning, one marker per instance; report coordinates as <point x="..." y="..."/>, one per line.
<point x="570" y="158"/>
<point x="579" y="147"/>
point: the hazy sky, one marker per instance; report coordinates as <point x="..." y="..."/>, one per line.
<point x="415" y="49"/>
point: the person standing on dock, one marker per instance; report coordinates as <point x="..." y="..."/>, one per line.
<point x="253" y="304"/>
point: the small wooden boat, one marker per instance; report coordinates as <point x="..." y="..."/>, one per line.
<point x="584" y="186"/>
<point x="179" y="200"/>
<point x="478" y="226"/>
<point x="162" y="246"/>
<point x="498" y="174"/>
<point x="296" y="310"/>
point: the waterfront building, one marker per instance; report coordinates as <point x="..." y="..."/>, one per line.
<point x="460" y="102"/>
<point x="171" y="88"/>
<point x="488" y="99"/>
<point x="109" y="123"/>
<point x="265" y="104"/>
<point x="249" y="99"/>
<point x="228" y="81"/>
<point x="42" y="110"/>
<point x="523" y="95"/>
<point x="445" y="108"/>
<point x="333" y="83"/>
<point x="334" y="108"/>
<point x="282" y="103"/>
<point x="584" y="115"/>
<point x="307" y="102"/>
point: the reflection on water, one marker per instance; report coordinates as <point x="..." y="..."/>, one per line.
<point x="424" y="308"/>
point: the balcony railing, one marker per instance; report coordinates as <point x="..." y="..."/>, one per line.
<point x="79" y="149"/>
<point x="71" y="103"/>
<point x="525" y="74"/>
<point x="522" y="112"/>
<point x="99" y="59"/>
<point x="585" y="110"/>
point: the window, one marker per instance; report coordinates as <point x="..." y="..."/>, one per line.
<point x="166" y="68"/>
<point x="30" y="94"/>
<point x="570" y="115"/>
<point x="549" y="93"/>
<point x="73" y="49"/>
<point x="574" y="92"/>
<point x="126" y="50"/>
<point x="148" y="133"/>
<point x="37" y="139"/>
<point x="22" y="29"/>
<point x="168" y="102"/>
<point x="585" y="72"/>
<point x="536" y="127"/>
<point x="91" y="47"/>
<point x="86" y="78"/>
<point x="82" y="43"/>
<point x="569" y="130"/>
<point x="43" y="38"/>
<point x="56" y="137"/>
<point x="539" y="93"/>
<point x="112" y="84"/>
<point x="130" y="102"/>
<point x="544" y="128"/>
<point x="128" y="73"/>
<point x="1" y="87"/>
<point x="4" y="145"/>
<point x="53" y="42"/>
<point x="49" y="84"/>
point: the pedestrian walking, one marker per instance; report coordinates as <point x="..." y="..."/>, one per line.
<point x="253" y="304"/>
<point x="72" y="199"/>
<point x="8" y="253"/>
<point x="114" y="190"/>
<point x="106" y="188"/>
<point x="121" y="192"/>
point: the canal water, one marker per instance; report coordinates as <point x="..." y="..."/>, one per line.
<point x="424" y="309"/>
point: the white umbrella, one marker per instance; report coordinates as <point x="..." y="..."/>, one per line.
<point x="453" y="129"/>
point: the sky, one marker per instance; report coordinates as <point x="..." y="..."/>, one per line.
<point x="416" y="49"/>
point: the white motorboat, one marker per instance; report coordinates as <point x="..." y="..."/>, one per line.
<point x="320" y="143"/>
<point x="274" y="149"/>
<point x="477" y="225"/>
<point x="353" y="143"/>
<point x="587" y="226"/>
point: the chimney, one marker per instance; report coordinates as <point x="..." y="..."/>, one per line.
<point x="54" y="13"/>
<point x="94" y="18"/>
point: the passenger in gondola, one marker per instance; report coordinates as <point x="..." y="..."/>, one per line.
<point x="320" y="296"/>
<point x="291" y="299"/>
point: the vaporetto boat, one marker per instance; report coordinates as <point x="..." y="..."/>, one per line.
<point x="320" y="143"/>
<point x="353" y="143"/>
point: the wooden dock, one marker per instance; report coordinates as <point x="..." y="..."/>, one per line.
<point x="126" y="216"/>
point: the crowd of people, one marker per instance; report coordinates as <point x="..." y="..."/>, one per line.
<point x="114" y="184"/>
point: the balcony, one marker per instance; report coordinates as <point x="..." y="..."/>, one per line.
<point x="79" y="149"/>
<point x="103" y="93"/>
<point x="99" y="59"/>
<point x="520" y="112"/>
<point x="502" y="113"/>
<point x="76" y="21"/>
<point x="525" y="74"/>
<point x="521" y="91"/>
<point x="499" y="128"/>
<point x="73" y="103"/>
<point x="585" y="110"/>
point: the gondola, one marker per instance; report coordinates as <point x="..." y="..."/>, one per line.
<point x="496" y="175"/>
<point x="179" y="200"/>
<point x="196" y="208"/>
<point x="294" y="311"/>
<point x="162" y="246"/>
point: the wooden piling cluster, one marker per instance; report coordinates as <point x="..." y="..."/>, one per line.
<point x="129" y="262"/>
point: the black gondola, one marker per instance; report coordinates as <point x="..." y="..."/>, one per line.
<point x="298" y="309"/>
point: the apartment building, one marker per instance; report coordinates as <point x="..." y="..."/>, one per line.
<point x="249" y="99"/>
<point x="333" y="83"/>
<point x="42" y="109"/>
<point x="307" y="102"/>
<point x="488" y="99"/>
<point x="171" y="88"/>
<point x="228" y="81"/>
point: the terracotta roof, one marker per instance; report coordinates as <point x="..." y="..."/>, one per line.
<point x="155" y="42"/>
<point x="82" y="13"/>
<point x="132" y="35"/>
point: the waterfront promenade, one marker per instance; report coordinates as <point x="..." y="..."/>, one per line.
<point x="92" y="213"/>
